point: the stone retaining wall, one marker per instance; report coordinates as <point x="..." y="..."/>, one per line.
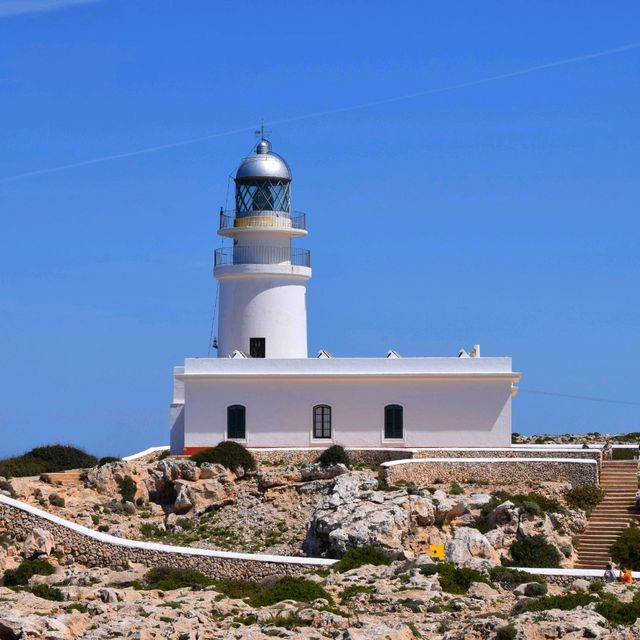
<point x="300" y="456"/>
<point x="581" y="454"/>
<point x="102" y="550"/>
<point x="492" y="470"/>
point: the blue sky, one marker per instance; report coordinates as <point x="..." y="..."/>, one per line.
<point x="503" y="213"/>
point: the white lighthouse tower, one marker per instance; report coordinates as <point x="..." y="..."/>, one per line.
<point x="262" y="278"/>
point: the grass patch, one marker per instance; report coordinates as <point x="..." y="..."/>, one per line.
<point x="564" y="602"/>
<point x="359" y="556"/>
<point x="46" y="459"/>
<point x="547" y="505"/>
<point x="458" y="580"/>
<point x="26" y="570"/>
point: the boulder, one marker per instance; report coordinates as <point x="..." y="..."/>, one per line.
<point x="447" y="508"/>
<point x="467" y="546"/>
<point x="18" y="488"/>
<point x="38" y="542"/>
<point x="422" y="510"/>
<point x="203" y="494"/>
<point x="378" y="631"/>
<point x="482" y="591"/>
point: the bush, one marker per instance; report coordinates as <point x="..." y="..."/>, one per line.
<point x="458" y="580"/>
<point x="535" y="589"/>
<point x="56" y="500"/>
<point x="127" y="489"/>
<point x="564" y="603"/>
<point x="508" y="632"/>
<point x="547" y="505"/>
<point x="456" y="489"/>
<point x="107" y="460"/>
<point x="229" y="454"/>
<point x="47" y="592"/>
<point x="626" y="549"/>
<point x="47" y="459"/>
<point x="534" y="551"/>
<point x="597" y="586"/>
<point x="586" y="498"/>
<point x="509" y="577"/>
<point x="335" y="454"/>
<point x="616" y="612"/>
<point x="359" y="556"/>
<point x="167" y="579"/>
<point x="237" y="589"/>
<point x="291" y="588"/>
<point x="27" y="568"/>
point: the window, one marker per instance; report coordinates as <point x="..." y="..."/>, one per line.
<point x="322" y="421"/>
<point x="393" y="429"/>
<point x="257" y="347"/>
<point x="236" y="423"/>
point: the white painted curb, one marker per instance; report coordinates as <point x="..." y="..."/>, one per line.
<point x="146" y="452"/>
<point x="393" y="463"/>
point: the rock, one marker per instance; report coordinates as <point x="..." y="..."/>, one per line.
<point x="580" y="585"/>
<point x="482" y="591"/>
<point x="210" y="470"/>
<point x="18" y="488"/>
<point x="467" y="546"/>
<point x="38" y="542"/>
<point x="108" y="595"/>
<point x="182" y="503"/>
<point x="379" y="631"/>
<point x="578" y="623"/>
<point x="423" y="510"/>
<point x="447" y="508"/>
<point x="129" y="508"/>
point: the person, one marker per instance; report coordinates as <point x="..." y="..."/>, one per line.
<point x="607" y="450"/>
<point x="609" y="574"/>
<point x="625" y="575"/>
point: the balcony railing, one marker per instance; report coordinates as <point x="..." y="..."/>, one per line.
<point x="262" y="255"/>
<point x="266" y="219"/>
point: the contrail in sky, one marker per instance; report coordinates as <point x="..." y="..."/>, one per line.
<point x="318" y="114"/>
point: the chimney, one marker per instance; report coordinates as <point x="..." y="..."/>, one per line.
<point x="475" y="351"/>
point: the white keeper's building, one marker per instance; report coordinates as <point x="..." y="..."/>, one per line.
<point x="264" y="391"/>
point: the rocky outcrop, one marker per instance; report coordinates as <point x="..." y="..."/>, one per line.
<point x="469" y="548"/>
<point x="38" y="542"/>
<point x="305" y="473"/>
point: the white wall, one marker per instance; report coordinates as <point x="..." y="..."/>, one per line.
<point x="266" y="306"/>
<point x="437" y="412"/>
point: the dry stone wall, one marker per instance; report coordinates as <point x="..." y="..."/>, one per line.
<point x="492" y="470"/>
<point x="301" y="456"/>
<point x="102" y="550"/>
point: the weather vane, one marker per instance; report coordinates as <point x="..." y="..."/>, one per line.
<point x="261" y="132"/>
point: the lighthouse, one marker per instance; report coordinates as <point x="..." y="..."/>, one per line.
<point x="262" y="278"/>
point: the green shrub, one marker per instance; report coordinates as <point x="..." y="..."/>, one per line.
<point x="165" y="454"/>
<point x="237" y="589"/>
<point x="547" y="505"/>
<point x="291" y="588"/>
<point x="77" y="606"/>
<point x="509" y="577"/>
<point x="107" y="460"/>
<point x="458" y="580"/>
<point x="624" y="454"/>
<point x="508" y="632"/>
<point x="616" y="612"/>
<point x="456" y="489"/>
<point x="626" y="549"/>
<point x="27" y="568"/>
<point x="46" y="459"/>
<point x="587" y="497"/>
<point x="167" y="579"/>
<point x="535" y="590"/>
<point x="56" y="500"/>
<point x="335" y="454"/>
<point x="127" y="489"/>
<point x="531" y="508"/>
<point x="534" y="551"/>
<point x="229" y="454"/>
<point x="564" y="603"/>
<point x="597" y="586"/>
<point x="359" y="556"/>
<point x="47" y="592"/>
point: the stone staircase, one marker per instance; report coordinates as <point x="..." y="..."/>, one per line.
<point x="62" y="478"/>
<point x="619" y="479"/>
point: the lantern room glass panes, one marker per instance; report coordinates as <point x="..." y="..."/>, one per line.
<point x="321" y="421"/>
<point x="262" y="195"/>
<point x="393" y="427"/>
<point x="236" y="422"/>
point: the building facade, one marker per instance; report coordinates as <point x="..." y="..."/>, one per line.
<point x="263" y="391"/>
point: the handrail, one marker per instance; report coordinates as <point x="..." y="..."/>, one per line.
<point x="262" y="255"/>
<point x="270" y="219"/>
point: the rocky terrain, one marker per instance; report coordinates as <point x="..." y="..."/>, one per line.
<point x="301" y="510"/>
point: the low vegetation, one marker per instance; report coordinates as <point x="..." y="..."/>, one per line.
<point x="336" y="454"/>
<point x="229" y="454"/>
<point x="46" y="459"/>
<point x="457" y="580"/>
<point x="107" y="460"/>
<point x="626" y="549"/>
<point x="509" y="577"/>
<point x="586" y="498"/>
<point x="127" y="489"/>
<point x="167" y="579"/>
<point x="25" y="571"/>
<point x="360" y="556"/>
<point x="534" y="551"/>
<point x="545" y="504"/>
<point x="290" y="588"/>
